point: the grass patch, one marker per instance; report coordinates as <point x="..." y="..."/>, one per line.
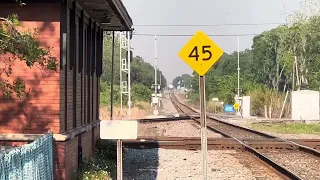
<point x="293" y="128"/>
<point x="138" y="111"/>
<point x="102" y="166"/>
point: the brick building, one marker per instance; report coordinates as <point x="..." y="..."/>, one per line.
<point x="67" y="101"/>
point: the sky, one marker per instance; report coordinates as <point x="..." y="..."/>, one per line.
<point x="199" y="12"/>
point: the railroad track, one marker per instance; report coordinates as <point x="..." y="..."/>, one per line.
<point x="194" y="143"/>
<point x="292" y="160"/>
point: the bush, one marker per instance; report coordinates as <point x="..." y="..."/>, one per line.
<point x="194" y="98"/>
<point x="214" y="107"/>
<point x="260" y="95"/>
<point x="106" y="92"/>
<point x="143" y="106"/>
<point x="273" y="101"/>
<point x="141" y="92"/>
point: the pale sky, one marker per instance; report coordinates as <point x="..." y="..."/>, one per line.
<point x="195" y="12"/>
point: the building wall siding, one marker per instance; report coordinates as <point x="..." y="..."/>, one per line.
<point x="41" y="111"/>
<point x="52" y="105"/>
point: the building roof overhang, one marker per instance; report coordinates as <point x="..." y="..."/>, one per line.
<point x="111" y="14"/>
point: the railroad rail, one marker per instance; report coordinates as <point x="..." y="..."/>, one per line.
<point x="244" y="136"/>
<point x="194" y="143"/>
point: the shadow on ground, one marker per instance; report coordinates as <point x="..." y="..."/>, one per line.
<point x="140" y="164"/>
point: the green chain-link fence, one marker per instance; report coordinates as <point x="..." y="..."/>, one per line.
<point x="32" y="161"/>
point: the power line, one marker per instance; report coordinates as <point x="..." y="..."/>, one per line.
<point x="206" y="25"/>
<point x="190" y="35"/>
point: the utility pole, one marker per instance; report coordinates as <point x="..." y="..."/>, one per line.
<point x="120" y="54"/>
<point x="155" y="64"/>
<point x="119" y="142"/>
<point x="238" y="93"/>
<point x="160" y="81"/>
<point x="155" y="100"/>
<point x="129" y="71"/>
<point x="238" y="66"/>
<point x="112" y="72"/>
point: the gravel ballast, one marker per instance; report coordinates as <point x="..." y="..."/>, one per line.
<point x="184" y="128"/>
<point x="170" y="164"/>
<point x="167" y="105"/>
<point x="165" y="164"/>
<point x="304" y="165"/>
<point x="187" y="128"/>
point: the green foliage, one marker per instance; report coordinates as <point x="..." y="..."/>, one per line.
<point x="143" y="72"/>
<point x="294" y="128"/>
<point x="142" y="75"/>
<point x="22" y="46"/>
<point x="105" y="94"/>
<point x="184" y="81"/>
<point x="265" y="100"/>
<point x="141" y="92"/>
<point x="102" y="165"/>
<point x="281" y="59"/>
<point x="107" y="59"/>
<point x="194" y="98"/>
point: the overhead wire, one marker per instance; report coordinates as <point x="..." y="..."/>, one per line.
<point x="199" y="25"/>
<point x="205" y="25"/>
<point x="190" y="35"/>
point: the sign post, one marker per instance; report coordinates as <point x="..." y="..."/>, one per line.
<point x="236" y="106"/>
<point x="203" y="124"/>
<point x="201" y="53"/>
<point x="118" y="130"/>
<point x="119" y="159"/>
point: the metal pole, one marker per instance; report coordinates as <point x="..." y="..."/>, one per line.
<point x="160" y="79"/>
<point x="238" y="93"/>
<point x="119" y="159"/>
<point x="203" y="126"/>
<point x="112" y="71"/>
<point x="155" y="72"/>
<point x="119" y="142"/>
<point x="155" y="63"/>
<point x="238" y="66"/>
<point x="129" y="72"/>
<point x="119" y="147"/>
<point x="120" y="54"/>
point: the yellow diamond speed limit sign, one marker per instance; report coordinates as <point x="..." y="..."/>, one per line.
<point x="200" y="53"/>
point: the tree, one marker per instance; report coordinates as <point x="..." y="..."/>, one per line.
<point x="141" y="92"/>
<point x="142" y="73"/>
<point x="184" y="81"/>
<point x="286" y="57"/>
